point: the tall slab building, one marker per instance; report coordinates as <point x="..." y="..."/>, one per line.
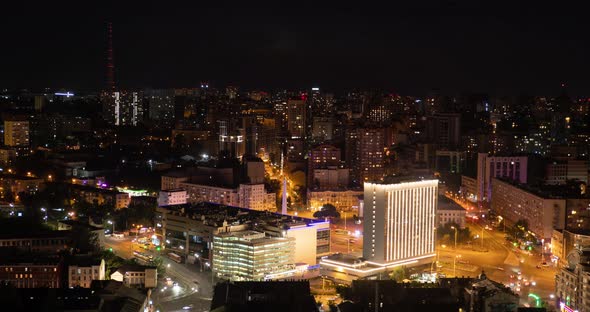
<point x="399" y="221"/>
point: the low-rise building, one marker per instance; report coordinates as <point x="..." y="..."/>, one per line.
<point x="75" y="225"/>
<point x="188" y="229"/>
<point x="21" y="184"/>
<point x="83" y="270"/>
<point x="136" y="276"/>
<point x="30" y="272"/>
<point x="293" y="296"/>
<point x="101" y="196"/>
<point x="343" y="200"/>
<point x="450" y="212"/>
<point x="252" y="256"/>
<point x="252" y="196"/>
<point x="486" y="295"/>
<point x="172" y="197"/>
<point x="7" y="156"/>
<point x="41" y="242"/>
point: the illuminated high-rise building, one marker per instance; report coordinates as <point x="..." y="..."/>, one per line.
<point x="370" y="153"/>
<point x="16" y="132"/>
<point x="399" y="221"/>
<point x="122" y="108"/>
<point x="296" y="118"/>
<point x="160" y="105"/>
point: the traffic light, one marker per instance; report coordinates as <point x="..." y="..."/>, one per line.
<point x="158" y="248"/>
<point x="111" y="249"/>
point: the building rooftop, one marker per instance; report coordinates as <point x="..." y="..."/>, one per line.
<point x="133" y="268"/>
<point x="34" y="235"/>
<point x="568" y="191"/>
<point x="216" y="214"/>
<point x="448" y="205"/>
<point x="405" y="179"/>
<point x="84" y="261"/>
<point x="28" y="259"/>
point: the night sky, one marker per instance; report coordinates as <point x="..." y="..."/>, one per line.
<point x="448" y="47"/>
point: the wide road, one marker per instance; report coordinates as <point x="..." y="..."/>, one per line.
<point x="194" y="290"/>
<point x="501" y="262"/>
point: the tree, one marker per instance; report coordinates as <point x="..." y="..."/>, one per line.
<point x="520" y="229"/>
<point x="85" y="241"/>
<point x="399" y="274"/>
<point x="447" y="233"/>
<point x="158" y="262"/>
<point x="140" y="213"/>
<point x="327" y="211"/>
<point x="344" y="291"/>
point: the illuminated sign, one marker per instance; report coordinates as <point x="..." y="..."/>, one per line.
<point x="67" y="94"/>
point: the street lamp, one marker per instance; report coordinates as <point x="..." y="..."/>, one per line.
<point x="113" y="225"/>
<point x="454" y="228"/>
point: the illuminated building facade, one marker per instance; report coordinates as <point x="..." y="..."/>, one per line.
<point x="296" y="118"/>
<point x="399" y="221"/>
<point x="16" y="133"/>
<point x="251" y="256"/>
<point x="488" y="167"/>
<point x="122" y="108"/>
<point x="543" y="212"/>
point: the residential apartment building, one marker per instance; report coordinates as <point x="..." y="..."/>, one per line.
<point x="16" y="132"/>
<point x="343" y="200"/>
<point x="367" y="161"/>
<point x="488" y="167"/>
<point x="172" y="197"/>
<point x="542" y="212"/>
<point x="322" y="156"/>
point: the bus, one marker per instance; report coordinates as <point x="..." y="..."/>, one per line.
<point x="142" y="257"/>
<point x="174" y="257"/>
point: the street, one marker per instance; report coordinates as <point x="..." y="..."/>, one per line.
<point x="193" y="292"/>
<point x="501" y="262"/>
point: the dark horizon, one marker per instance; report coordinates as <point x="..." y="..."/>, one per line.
<point x="445" y="48"/>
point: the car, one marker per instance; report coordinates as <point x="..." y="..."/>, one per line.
<point x="188" y="307"/>
<point x="175" y="284"/>
<point x="545" y="264"/>
<point x="500" y="268"/>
